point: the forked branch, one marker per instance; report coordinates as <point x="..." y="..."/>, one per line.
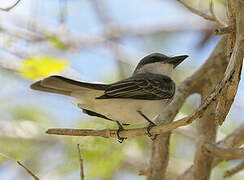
<point x="211" y="17"/>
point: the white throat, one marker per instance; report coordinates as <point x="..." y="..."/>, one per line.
<point x="157" y="68"/>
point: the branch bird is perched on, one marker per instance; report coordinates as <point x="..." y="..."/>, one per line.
<point x="136" y="100"/>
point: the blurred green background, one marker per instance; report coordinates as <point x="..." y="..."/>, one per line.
<point x="101" y="41"/>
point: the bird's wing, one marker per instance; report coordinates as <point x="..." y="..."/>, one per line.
<point x="145" y="86"/>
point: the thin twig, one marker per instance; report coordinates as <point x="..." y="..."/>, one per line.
<point x="211" y="8"/>
<point x="195" y="11"/>
<point x="234" y="170"/>
<point x="28" y="171"/>
<point x="11" y="7"/>
<point x="82" y="177"/>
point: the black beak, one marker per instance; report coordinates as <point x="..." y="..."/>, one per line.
<point x="176" y="60"/>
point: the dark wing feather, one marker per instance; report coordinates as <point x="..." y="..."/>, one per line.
<point x="146" y="86"/>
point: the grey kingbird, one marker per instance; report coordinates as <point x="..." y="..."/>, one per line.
<point x="136" y="100"/>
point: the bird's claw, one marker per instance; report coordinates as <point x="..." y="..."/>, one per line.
<point x="149" y="127"/>
<point x="120" y="139"/>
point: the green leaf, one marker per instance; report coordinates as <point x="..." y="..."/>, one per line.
<point x="41" y="66"/>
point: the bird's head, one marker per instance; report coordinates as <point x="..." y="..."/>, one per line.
<point x="159" y="64"/>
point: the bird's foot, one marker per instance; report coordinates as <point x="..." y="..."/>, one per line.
<point x="149" y="127"/>
<point x="120" y="139"/>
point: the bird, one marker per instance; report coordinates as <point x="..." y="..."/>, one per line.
<point x="136" y="100"/>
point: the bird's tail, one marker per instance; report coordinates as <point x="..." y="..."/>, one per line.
<point x="64" y="86"/>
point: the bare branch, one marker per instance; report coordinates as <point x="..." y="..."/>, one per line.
<point x="11" y="7"/>
<point x="81" y="164"/>
<point x="195" y="11"/>
<point x="230" y="11"/>
<point x="28" y="171"/>
<point x="211" y="8"/>
<point x="112" y="133"/>
<point x="223" y="153"/>
<point x="112" y="31"/>
<point x="228" y="94"/>
<point x="202" y="163"/>
<point x="235" y="139"/>
<point x="211" y="17"/>
<point x="234" y="170"/>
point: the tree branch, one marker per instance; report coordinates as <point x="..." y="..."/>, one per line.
<point x="28" y="171"/>
<point x="11" y="7"/>
<point x="211" y="8"/>
<point x="112" y="31"/>
<point x="234" y="170"/>
<point x="197" y="12"/>
<point x="82" y="176"/>
<point x="235" y="139"/>
<point x="112" y="133"/>
<point x="223" y="153"/>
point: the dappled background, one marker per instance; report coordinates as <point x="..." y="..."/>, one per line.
<point x="94" y="40"/>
